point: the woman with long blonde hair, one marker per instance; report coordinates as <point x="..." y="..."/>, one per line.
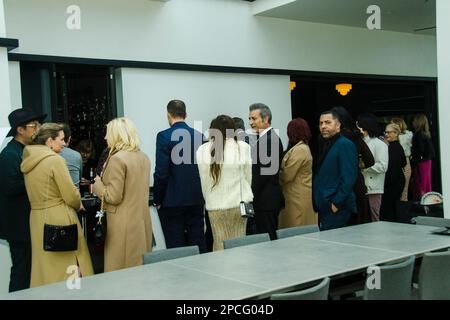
<point x="124" y="190"/>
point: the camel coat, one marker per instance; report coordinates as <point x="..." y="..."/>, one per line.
<point x="125" y="187"/>
<point x="54" y="200"/>
<point x="296" y="181"/>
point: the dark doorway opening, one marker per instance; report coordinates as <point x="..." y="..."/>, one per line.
<point x="82" y="96"/>
<point x="383" y="97"/>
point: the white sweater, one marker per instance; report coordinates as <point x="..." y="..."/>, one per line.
<point x="235" y="170"/>
<point x="406" y="142"/>
<point x="374" y="176"/>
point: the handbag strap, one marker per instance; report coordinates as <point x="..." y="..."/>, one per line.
<point x="46" y="197"/>
<point x="101" y="213"/>
<point x="241" y="170"/>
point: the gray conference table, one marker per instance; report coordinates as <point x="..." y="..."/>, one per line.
<point x="254" y="271"/>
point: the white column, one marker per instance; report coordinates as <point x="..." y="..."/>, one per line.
<point x="5" y="99"/>
<point x="443" y="58"/>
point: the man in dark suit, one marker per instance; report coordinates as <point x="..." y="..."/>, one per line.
<point x="14" y="204"/>
<point x="177" y="189"/>
<point x="267" y="153"/>
<point x="334" y="175"/>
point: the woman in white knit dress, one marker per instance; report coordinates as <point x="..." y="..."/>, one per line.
<point x="224" y="165"/>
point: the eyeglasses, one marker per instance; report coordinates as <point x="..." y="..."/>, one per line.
<point x="32" y="125"/>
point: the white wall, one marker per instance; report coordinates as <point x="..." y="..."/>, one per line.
<point x="212" y="32"/>
<point x="5" y="101"/>
<point x="147" y="92"/>
<point x="5" y="107"/>
<point x="14" y="84"/>
<point x="443" y="56"/>
<point x="2" y="20"/>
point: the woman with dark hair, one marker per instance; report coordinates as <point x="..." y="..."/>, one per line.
<point x="366" y="160"/>
<point x="54" y="201"/>
<point x="421" y="154"/>
<point x="296" y="178"/>
<point x="224" y="164"/>
<point x="374" y="175"/>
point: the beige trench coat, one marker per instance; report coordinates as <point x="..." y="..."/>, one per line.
<point x="296" y="181"/>
<point x="54" y="200"/>
<point x="125" y="186"/>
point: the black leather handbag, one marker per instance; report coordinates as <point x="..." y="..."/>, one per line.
<point x="60" y="238"/>
<point x="100" y="232"/>
<point x="247" y="209"/>
<point x="100" y="226"/>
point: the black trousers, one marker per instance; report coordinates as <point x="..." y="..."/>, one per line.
<point x="267" y="221"/>
<point x="208" y="234"/>
<point x="183" y="226"/>
<point x="21" y="265"/>
<point x="251" y="226"/>
<point x="388" y="208"/>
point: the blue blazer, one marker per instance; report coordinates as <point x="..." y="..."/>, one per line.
<point x="335" y="179"/>
<point x="177" y="181"/>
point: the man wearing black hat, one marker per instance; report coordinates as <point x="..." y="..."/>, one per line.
<point x="14" y="204"/>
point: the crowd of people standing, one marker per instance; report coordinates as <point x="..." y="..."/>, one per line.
<point x="347" y="175"/>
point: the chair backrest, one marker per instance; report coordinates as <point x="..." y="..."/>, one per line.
<point x="318" y="292"/>
<point x="394" y="283"/>
<point x="245" y="240"/>
<point x="434" y="276"/>
<point x="295" y="231"/>
<point x="169" y="254"/>
<point x="431" y="221"/>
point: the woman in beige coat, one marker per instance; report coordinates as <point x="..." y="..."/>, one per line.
<point x="54" y="200"/>
<point x="124" y="186"/>
<point x="296" y="178"/>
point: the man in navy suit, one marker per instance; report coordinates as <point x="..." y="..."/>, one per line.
<point x="334" y="175"/>
<point x="176" y="190"/>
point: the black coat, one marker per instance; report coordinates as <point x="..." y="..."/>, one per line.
<point x="267" y="192"/>
<point x="422" y="149"/>
<point x="14" y="204"/>
<point x="395" y="179"/>
<point x="393" y="183"/>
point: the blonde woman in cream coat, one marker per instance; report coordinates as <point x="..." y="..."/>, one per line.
<point x="124" y="186"/>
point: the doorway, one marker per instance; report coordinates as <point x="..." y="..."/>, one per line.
<point x="82" y="96"/>
<point x="385" y="98"/>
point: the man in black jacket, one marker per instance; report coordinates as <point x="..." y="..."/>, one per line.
<point x="267" y="153"/>
<point x="14" y="204"/>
